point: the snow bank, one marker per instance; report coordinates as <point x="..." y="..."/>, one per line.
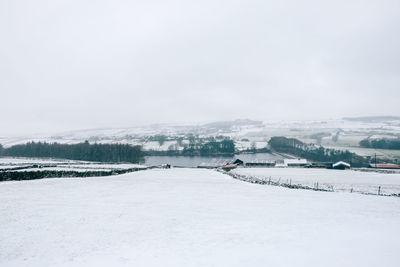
<point x="191" y="217"/>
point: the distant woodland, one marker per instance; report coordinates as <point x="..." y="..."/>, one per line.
<point x="313" y="152"/>
<point x="200" y="147"/>
<point x="81" y="151"/>
<point x="211" y="148"/>
<point x="381" y="143"/>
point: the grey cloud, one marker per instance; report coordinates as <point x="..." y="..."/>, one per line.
<point x="82" y="64"/>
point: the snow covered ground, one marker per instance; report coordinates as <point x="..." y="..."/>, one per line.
<point x="340" y="180"/>
<point x="31" y="164"/>
<point x="191" y="217"/>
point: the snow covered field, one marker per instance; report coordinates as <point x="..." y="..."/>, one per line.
<point x="341" y="180"/>
<point x="191" y="217"/>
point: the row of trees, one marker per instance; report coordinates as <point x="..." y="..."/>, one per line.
<point x="223" y="147"/>
<point x="205" y="146"/>
<point x="81" y="151"/>
<point x="317" y="153"/>
<point x="381" y="143"/>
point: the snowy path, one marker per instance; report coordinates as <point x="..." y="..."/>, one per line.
<point x="190" y="217"/>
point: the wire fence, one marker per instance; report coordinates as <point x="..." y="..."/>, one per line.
<point x="316" y="186"/>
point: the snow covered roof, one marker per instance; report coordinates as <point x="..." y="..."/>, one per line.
<point x="295" y="161"/>
<point x="341" y="163"/>
<point x="215" y="162"/>
<point x="384" y="166"/>
<point x="260" y="161"/>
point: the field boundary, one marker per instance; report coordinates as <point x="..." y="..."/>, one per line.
<point x="288" y="184"/>
<point x="34" y="175"/>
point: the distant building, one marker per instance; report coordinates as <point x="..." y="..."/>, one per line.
<point x="341" y="165"/>
<point x="326" y="165"/>
<point x="238" y="162"/>
<point x="384" y="166"/>
<point x="295" y="162"/>
<point x="260" y="163"/>
<point x="214" y="163"/>
<point x="228" y="167"/>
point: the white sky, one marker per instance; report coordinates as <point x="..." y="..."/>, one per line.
<point x="86" y="64"/>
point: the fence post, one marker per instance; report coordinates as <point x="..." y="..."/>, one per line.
<point x="379" y="190"/>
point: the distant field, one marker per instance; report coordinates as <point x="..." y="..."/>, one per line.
<point x="338" y="180"/>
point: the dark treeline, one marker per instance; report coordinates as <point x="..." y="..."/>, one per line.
<point x="381" y="143"/>
<point x="81" y="151"/>
<point x="226" y="146"/>
<point x="254" y="150"/>
<point x="197" y="148"/>
<point x="315" y="153"/>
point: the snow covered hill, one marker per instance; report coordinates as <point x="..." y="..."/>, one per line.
<point x="191" y="217"/>
<point x="335" y="133"/>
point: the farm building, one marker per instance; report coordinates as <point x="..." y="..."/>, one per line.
<point x="214" y="163"/>
<point x="295" y="162"/>
<point x="322" y="165"/>
<point x="228" y="167"/>
<point x="238" y="162"/>
<point x="341" y="165"/>
<point x="384" y="166"/>
<point x="260" y="163"/>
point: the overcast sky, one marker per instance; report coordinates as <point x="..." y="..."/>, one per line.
<point x="75" y="64"/>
